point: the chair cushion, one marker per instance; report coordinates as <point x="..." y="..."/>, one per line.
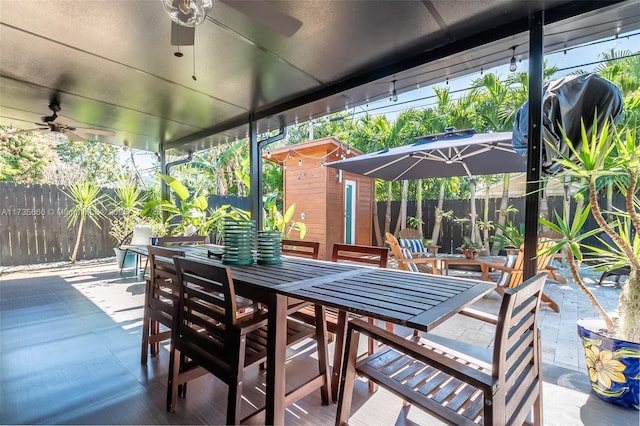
<point x="406" y="253"/>
<point x="414" y="245"/>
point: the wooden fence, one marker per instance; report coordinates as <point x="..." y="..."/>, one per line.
<point x="33" y="226"/>
<point x="452" y="232"/>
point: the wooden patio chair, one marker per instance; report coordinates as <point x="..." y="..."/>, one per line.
<point x="456" y="382"/>
<point x="335" y="320"/>
<point x="161" y="289"/>
<point x="405" y="259"/>
<point x="211" y="337"/>
<point x="308" y="249"/>
<point x="183" y="240"/>
<point x="512" y="276"/>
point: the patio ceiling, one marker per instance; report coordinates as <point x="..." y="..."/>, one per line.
<point x="113" y="65"/>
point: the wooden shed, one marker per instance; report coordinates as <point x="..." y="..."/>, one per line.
<point x="335" y="206"/>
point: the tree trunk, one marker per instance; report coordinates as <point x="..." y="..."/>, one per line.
<point x="376" y="221"/>
<point x="402" y="216"/>
<point x="502" y="215"/>
<point x="387" y="213"/>
<point x="629" y="309"/>
<point x="485" y="217"/>
<point x="419" y="207"/>
<point x="435" y="234"/>
<point x="77" y="245"/>
<point x="474" y="234"/>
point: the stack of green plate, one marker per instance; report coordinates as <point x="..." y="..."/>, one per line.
<point x="238" y="238"/>
<point x="269" y="247"/>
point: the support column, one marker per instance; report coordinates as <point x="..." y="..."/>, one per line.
<point x="255" y="174"/>
<point x="534" y="151"/>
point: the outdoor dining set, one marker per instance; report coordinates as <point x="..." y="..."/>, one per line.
<point x="225" y="317"/>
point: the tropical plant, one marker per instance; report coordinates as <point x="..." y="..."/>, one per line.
<point x="467" y="244"/>
<point x="613" y="153"/>
<point x="126" y="207"/>
<point x="192" y="210"/>
<point x="87" y="204"/>
<point x="510" y="235"/>
<point x="274" y="220"/>
<point x="414" y="222"/>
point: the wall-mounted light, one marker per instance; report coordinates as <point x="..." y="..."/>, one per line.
<point x="513" y="66"/>
<point x="394" y="93"/>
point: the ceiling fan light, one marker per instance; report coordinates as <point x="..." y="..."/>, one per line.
<point x="188" y="13"/>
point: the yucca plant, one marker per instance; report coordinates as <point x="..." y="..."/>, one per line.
<point x="613" y="154"/>
<point x="87" y="204"/>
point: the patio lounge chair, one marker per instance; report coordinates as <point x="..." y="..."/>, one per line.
<point x="512" y="276"/>
<point x="405" y="259"/>
<point x="456" y="382"/>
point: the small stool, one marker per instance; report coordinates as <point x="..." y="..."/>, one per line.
<point x="618" y="272"/>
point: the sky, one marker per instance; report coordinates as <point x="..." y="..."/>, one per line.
<point x="579" y="57"/>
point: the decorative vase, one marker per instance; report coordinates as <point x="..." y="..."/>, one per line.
<point x="613" y="364"/>
<point x="238" y="239"/>
<point x="269" y="247"/>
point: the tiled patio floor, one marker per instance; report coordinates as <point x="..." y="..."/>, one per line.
<point x="70" y="340"/>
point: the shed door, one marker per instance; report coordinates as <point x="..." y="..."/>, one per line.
<point x="349" y="212"/>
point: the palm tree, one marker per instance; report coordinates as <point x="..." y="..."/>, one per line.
<point x="87" y="202"/>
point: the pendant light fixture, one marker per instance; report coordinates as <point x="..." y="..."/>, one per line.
<point x="513" y="66"/>
<point x="394" y="93"/>
<point x="188" y="13"/>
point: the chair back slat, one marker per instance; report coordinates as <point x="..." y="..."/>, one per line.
<point x="516" y="357"/>
<point x="299" y="248"/>
<point x="370" y="255"/>
<point x="162" y="288"/>
<point x="183" y="240"/>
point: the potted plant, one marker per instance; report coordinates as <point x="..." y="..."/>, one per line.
<point x="612" y="343"/>
<point x="470" y="249"/>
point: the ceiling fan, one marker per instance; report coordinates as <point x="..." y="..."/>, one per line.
<point x="187" y="14"/>
<point x="58" y="124"/>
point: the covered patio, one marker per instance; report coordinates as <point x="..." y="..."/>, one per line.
<point x="70" y="341"/>
<point x="70" y="337"/>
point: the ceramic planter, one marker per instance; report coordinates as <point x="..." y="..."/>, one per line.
<point x="613" y="365"/>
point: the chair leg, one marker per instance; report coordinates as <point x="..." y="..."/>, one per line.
<point x="146" y="329"/>
<point x="234" y="398"/>
<point x="323" y="356"/>
<point x="348" y="379"/>
<point x="124" y="258"/>
<point x="172" y="386"/>
<point x="549" y="302"/>
<point x="337" y="353"/>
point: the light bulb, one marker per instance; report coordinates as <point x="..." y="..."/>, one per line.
<point x="513" y="66"/>
<point x="188" y="13"/>
<point x="394" y="93"/>
<point x="300" y="162"/>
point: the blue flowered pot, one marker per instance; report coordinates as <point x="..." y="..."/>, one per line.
<point x="613" y="365"/>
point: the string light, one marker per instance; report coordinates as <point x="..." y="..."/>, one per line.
<point x="300" y="162"/>
<point x="513" y="65"/>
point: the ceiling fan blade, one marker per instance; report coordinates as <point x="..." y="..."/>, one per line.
<point x="73" y="136"/>
<point x="60" y="119"/>
<point x="267" y="15"/>
<point x="95" y="131"/>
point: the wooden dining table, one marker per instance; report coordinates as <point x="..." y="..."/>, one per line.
<point x="414" y="300"/>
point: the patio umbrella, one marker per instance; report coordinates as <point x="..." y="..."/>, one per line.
<point x="454" y="153"/>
